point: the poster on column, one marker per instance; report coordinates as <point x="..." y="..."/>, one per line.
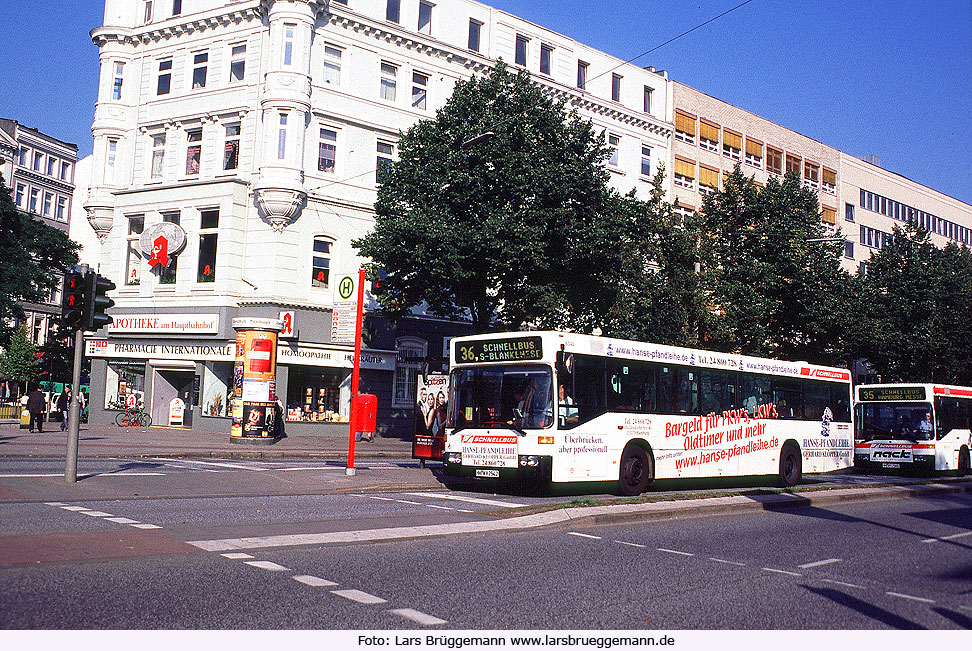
<point x="431" y="407"/>
<point x="259" y="365"/>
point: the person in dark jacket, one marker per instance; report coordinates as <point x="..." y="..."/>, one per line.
<point x="36" y="405"/>
<point x="64" y="405"/>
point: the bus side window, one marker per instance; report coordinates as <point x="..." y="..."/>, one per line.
<point x="788" y="399"/>
<point x="840" y="402"/>
<point x="589" y="389"/>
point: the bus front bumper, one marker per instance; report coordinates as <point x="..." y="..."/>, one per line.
<point x="530" y="467"/>
<point x="920" y="464"/>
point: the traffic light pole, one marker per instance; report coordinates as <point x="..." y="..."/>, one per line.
<point x="74" y="419"/>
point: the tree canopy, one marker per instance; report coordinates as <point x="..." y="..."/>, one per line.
<point x="34" y="257"/>
<point x="517" y="228"/>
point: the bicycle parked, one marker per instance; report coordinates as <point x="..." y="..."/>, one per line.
<point x="136" y="417"/>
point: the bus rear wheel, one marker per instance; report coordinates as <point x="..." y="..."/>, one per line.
<point x="637" y="471"/>
<point x="791" y="466"/>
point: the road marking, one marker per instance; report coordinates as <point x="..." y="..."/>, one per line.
<point x="96" y="514"/>
<point x="236" y="556"/>
<point x="234" y="466"/>
<point x="630" y="544"/>
<point x="436" y="506"/>
<point x="267" y="565"/>
<point x="75" y="508"/>
<point x="464" y="511"/>
<point x="770" y="569"/>
<point x="54" y="503"/>
<point x="944" y="538"/>
<point x="340" y="470"/>
<point x="86" y="476"/>
<point x="841" y="583"/>
<point x="908" y="596"/>
<point x="471" y="500"/>
<point x="409" y="502"/>
<point x="818" y="563"/>
<point x="674" y="551"/>
<point x="583" y="535"/>
<point x="122" y="520"/>
<point x="418" y="617"/>
<point x="359" y="596"/>
<point x="146" y="526"/>
<point x="721" y="560"/>
<point x="383" y="499"/>
<point x="314" y="581"/>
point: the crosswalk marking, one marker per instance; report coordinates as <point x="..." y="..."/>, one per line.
<point x="946" y="538"/>
<point x="471" y="500"/>
<point x="418" y="617"/>
<point x="359" y="596"/>
<point x="267" y="565"/>
<point x="314" y="581"/>
<point x="818" y="563"/>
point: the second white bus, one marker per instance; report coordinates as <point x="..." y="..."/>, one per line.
<point x="560" y="407"/>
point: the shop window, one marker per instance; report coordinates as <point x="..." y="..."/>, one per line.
<point x="314" y="394"/>
<point x="216" y="380"/>
<point x="124" y="378"/>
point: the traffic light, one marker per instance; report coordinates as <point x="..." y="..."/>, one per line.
<point x="96" y="302"/>
<point x="72" y="301"/>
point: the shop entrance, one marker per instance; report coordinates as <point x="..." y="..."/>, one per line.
<point x="167" y="386"/>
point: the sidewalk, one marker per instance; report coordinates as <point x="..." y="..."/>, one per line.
<point x="99" y="440"/>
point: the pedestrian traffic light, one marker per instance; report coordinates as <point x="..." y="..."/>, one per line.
<point x="72" y="300"/>
<point x="96" y="302"/>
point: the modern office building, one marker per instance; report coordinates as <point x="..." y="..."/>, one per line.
<point x="243" y="137"/>
<point x="39" y="170"/>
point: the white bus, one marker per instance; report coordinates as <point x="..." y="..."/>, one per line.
<point x="913" y="427"/>
<point x="559" y="407"/>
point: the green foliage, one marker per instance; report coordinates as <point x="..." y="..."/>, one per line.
<point x="19" y="360"/>
<point x="773" y="290"/>
<point x="517" y="229"/>
<point x="916" y="299"/>
<point x="34" y="256"/>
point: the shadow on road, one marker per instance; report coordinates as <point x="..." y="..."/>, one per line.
<point x="868" y="610"/>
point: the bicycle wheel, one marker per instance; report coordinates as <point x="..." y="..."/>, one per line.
<point x="145" y="420"/>
<point x="121" y="419"/>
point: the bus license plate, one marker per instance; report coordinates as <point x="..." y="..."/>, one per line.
<point x="487" y="472"/>
<point x="890" y="465"/>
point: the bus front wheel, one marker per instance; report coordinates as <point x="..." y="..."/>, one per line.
<point x="791" y="466"/>
<point x="637" y="471"/>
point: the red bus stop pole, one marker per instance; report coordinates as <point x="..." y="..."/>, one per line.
<point x="355" y="372"/>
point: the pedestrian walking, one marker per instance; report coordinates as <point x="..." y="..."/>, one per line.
<point x="64" y="406"/>
<point x="36" y="405"/>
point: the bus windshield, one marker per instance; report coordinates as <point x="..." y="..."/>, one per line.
<point x="895" y="421"/>
<point x="515" y="397"/>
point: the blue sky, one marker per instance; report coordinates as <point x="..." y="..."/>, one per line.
<point x="886" y="77"/>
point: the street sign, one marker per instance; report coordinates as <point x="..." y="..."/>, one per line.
<point x="345" y="310"/>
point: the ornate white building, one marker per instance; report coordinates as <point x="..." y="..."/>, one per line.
<point x="253" y="129"/>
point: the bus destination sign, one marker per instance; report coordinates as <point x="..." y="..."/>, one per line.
<point x="513" y="349"/>
<point x="891" y="393"/>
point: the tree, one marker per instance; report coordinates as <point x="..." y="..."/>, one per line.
<point x="660" y="296"/>
<point x="515" y="229"/>
<point x="778" y="289"/>
<point x="34" y="256"/>
<point x="19" y="361"/>
<point x="917" y="298"/>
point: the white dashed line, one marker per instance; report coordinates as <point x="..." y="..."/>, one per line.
<point x="464" y="511"/>
<point x="722" y="560"/>
<point x="818" y="563"/>
<point x="236" y="556"/>
<point x="383" y="499"/>
<point x="583" y="535"/>
<point x="146" y="526"/>
<point x="417" y="617"/>
<point x="267" y="565"/>
<point x="54" y="503"/>
<point x="75" y="508"/>
<point x="409" y="502"/>
<point x="314" y="581"/>
<point x="122" y="520"/>
<point x="359" y="596"/>
<point x="910" y="597"/>
<point x="674" y="551"/>
<point x="845" y="585"/>
<point x="234" y="466"/>
<point x="96" y="514"/>
<point x="945" y="538"/>
<point x="471" y="500"/>
<point x="630" y="544"/>
<point x="436" y="506"/>
<point x="770" y="569"/>
<point x="96" y="474"/>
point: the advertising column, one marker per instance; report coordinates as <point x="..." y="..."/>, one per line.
<point x="255" y="378"/>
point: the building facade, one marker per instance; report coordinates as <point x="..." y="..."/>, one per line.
<point x="245" y="136"/>
<point x="39" y="170"/>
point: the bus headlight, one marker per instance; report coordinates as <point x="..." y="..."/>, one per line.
<point x="529" y="461"/>
<point x="454" y="457"/>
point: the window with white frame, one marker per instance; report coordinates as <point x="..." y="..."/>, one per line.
<point x="829" y="181"/>
<point x="327" y="151"/>
<point x="22" y="156"/>
<point x="237" y="62"/>
<point x="848" y="249"/>
<point x="811" y="174"/>
<point x="616" y="87"/>
<point x="20" y="194"/>
<point x="393" y="11"/>
<point x="646" y="103"/>
<point x="34" y="200"/>
<point x="290" y="31"/>
<point x="164" y="83"/>
<point x="475" y="34"/>
<point x="521" y="50"/>
<point x="119" y="78"/>
<point x="231" y="147"/>
<point x="614" y="143"/>
<point x="65" y="170"/>
<point x="133" y="263"/>
<point x="420" y="90"/>
<point x="38" y="161"/>
<point x="200" y="64"/>
<point x="409" y="358"/>
<point x="158" y="156"/>
<point x="61" y="210"/>
<point x="147" y="11"/>
<point x="731" y="144"/>
<point x="546" y="54"/>
<point x="385" y="158"/>
<point x="321" y="262"/>
<point x="48" y="204"/>
<point x="332" y="65"/>
<point x="193" y="151"/>
<point x="51" y="165"/>
<point x="582" y="75"/>
<point x="708" y="135"/>
<point x="110" y="160"/>
<point x="849" y="212"/>
<point x="389" y="72"/>
<point x="684" y="173"/>
<point x="282" y="136"/>
<point x="176" y="7"/>
<point x="645" y="160"/>
<point x="167" y="275"/>
<point x="754" y="152"/>
<point x="425" y="18"/>
<point x="208" y="233"/>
